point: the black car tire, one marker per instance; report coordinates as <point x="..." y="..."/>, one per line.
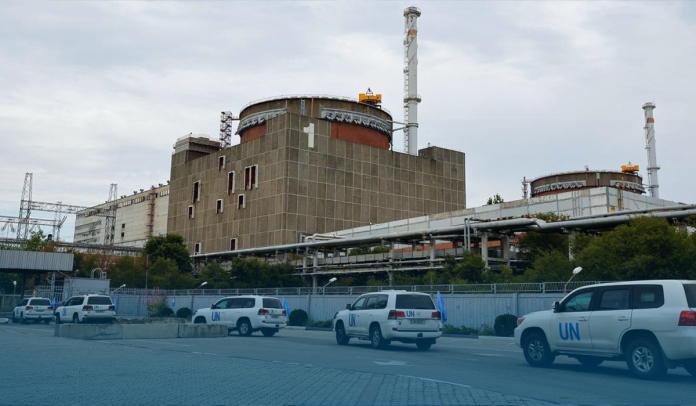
<point x="268" y="332"/>
<point x="57" y="318"/>
<point x="423" y="345"/>
<point x="589" y="361"/>
<point x="14" y="319"/>
<point x="244" y="328"/>
<point x="691" y="368"/>
<point x="644" y="359"/>
<point x="22" y="320"/>
<point x="341" y="337"/>
<point x="536" y="350"/>
<point x="376" y="338"/>
<point x="75" y="319"/>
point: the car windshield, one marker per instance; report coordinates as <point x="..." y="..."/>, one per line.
<point x="414" y="302"/>
<point x="272" y="303"/>
<point x="99" y="300"/>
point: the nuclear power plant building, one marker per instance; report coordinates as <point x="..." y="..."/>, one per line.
<point x="304" y="165"/>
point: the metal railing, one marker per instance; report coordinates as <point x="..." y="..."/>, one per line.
<point x="494" y="288"/>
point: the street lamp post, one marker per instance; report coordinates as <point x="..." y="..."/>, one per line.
<point x="202" y="284"/>
<point x="332" y="280"/>
<point x="575" y="272"/>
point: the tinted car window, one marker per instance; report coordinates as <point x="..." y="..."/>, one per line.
<point x="236" y="304"/>
<point x="580" y="302"/>
<point x="358" y="305"/>
<point x="615" y="299"/>
<point x="99" y="300"/>
<point x="371" y="302"/>
<point x="40" y="302"/>
<point x="272" y="303"/>
<point x="222" y="304"/>
<point x="648" y="296"/>
<point x="414" y="302"/>
<point x="382" y="301"/>
<point x="248" y="303"/>
<point x="690" y="290"/>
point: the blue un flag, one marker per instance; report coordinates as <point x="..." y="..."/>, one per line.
<point x="441" y="307"/>
<point x="286" y="306"/>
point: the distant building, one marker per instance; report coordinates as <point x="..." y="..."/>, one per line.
<point x="305" y="165"/>
<point x="138" y="217"/>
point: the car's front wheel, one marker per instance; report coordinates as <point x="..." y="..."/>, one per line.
<point x="341" y="336"/>
<point x="244" y="328"/>
<point x="199" y="320"/>
<point x="376" y="337"/>
<point x="644" y="359"/>
<point x="537" y="351"/>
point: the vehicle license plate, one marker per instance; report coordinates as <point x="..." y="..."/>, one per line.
<point x="274" y="316"/>
<point x="417" y="321"/>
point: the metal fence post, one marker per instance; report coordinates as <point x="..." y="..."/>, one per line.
<point x="543" y="287"/>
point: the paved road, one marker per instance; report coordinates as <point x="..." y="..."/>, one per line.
<point x="305" y="367"/>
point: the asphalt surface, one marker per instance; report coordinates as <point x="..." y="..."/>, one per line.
<point x="306" y="367"/>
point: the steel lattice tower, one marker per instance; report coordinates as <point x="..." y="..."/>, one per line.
<point x="109" y="231"/>
<point x="25" y="208"/>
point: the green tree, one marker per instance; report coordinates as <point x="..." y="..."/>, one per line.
<point x="128" y="270"/>
<point x="170" y="246"/>
<point x="216" y="277"/>
<point x="551" y="266"/>
<point x="254" y="273"/>
<point x="645" y="248"/>
<point x="495" y="200"/>
<point x="164" y="274"/>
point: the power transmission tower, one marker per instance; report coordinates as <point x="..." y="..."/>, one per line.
<point x="111" y="216"/>
<point x="25" y="208"/>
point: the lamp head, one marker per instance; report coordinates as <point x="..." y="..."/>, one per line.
<point x="14" y="283"/>
<point x="204" y="283"/>
<point x="333" y="280"/>
<point x="577" y="270"/>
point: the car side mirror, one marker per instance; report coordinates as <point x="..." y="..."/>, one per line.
<point x="556" y="307"/>
<point x="348" y="306"/>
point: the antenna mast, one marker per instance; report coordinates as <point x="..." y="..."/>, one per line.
<point x="411" y="97"/>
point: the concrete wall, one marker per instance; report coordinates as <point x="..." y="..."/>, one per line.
<point x="469" y="310"/>
<point x="301" y="190"/>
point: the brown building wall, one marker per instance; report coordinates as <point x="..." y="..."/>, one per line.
<point x="592" y="179"/>
<point x="335" y="185"/>
<point x="359" y="135"/>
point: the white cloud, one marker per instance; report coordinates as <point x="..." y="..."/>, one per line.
<point x="95" y="93"/>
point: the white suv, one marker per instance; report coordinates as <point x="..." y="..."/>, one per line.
<point x="390" y="315"/>
<point x="245" y="314"/>
<point x="33" y="308"/>
<point x="84" y="308"/>
<point x="649" y="324"/>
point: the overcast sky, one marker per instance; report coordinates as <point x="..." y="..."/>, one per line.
<point x="96" y="92"/>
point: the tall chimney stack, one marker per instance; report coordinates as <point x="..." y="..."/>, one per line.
<point x="411" y="97"/>
<point x="653" y="186"/>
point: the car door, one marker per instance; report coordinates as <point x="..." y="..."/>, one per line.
<point x="354" y="316"/>
<point x="219" y="312"/>
<point x="20" y="308"/>
<point x="234" y="311"/>
<point x="365" y="319"/>
<point x="570" y="327"/>
<point x="610" y="317"/>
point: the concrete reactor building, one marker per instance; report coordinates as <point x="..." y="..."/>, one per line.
<point x="305" y="165"/>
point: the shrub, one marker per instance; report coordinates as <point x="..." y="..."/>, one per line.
<point x="464" y="330"/>
<point x="322" y="324"/>
<point x="505" y="325"/>
<point x="298" y="317"/>
<point x="162" y="311"/>
<point x="184" y="313"/>
<point x="486" y="330"/>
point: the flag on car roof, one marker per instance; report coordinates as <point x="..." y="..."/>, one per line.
<point x="53" y="302"/>
<point x="286" y="306"/>
<point x="441" y="307"/>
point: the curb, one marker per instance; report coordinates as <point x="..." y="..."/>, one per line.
<point x="309" y="328"/>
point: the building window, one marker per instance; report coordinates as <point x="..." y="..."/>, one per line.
<point x="123" y="225"/>
<point x="230" y="183"/>
<point x="190" y="212"/>
<point x="197" y="249"/>
<point x="233" y="244"/>
<point x="218" y="206"/>
<point x="251" y="179"/>
<point x="123" y="235"/>
<point x="196" y="191"/>
<point x="221" y="163"/>
<point x="241" y="202"/>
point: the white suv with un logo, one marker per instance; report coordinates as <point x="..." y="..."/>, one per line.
<point x="390" y="315"/>
<point x="245" y="314"/>
<point x="651" y="325"/>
